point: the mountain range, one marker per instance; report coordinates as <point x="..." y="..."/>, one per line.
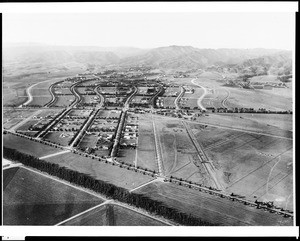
<point x="171" y="57"/>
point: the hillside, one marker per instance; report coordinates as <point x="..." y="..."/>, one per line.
<point x="171" y="57"/>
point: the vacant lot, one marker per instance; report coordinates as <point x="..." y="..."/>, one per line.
<point x="27" y="146"/>
<point x="257" y="166"/>
<point x="236" y="121"/>
<point x="146" y="154"/>
<point x="113" y="215"/>
<point x="59" y="137"/>
<point x="33" y="199"/>
<point x="216" y="210"/>
<point x="63" y="100"/>
<point x="178" y="152"/>
<point x="103" y="171"/>
<point x="40" y="100"/>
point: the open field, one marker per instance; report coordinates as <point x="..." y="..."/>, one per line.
<point x="237" y="121"/>
<point x="245" y="163"/>
<point x="62" y="91"/>
<point x="63" y="100"/>
<point x="38" y="91"/>
<point x="8" y="175"/>
<point x="34" y="199"/>
<point x="40" y="100"/>
<point x="275" y="99"/>
<point x="178" y="152"/>
<point x="146" y="155"/>
<point x="27" y="146"/>
<point x="12" y="117"/>
<point x="170" y="91"/>
<point x="113" y="215"/>
<point x="59" y="137"/>
<point x="106" y="172"/>
<point x="169" y="102"/>
<point x="211" y="208"/>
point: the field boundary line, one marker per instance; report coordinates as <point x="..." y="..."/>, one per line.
<point x="79" y="214"/>
<point x="65" y="182"/>
<point x="145" y="184"/>
<point x="142" y="213"/>
<point x="256" y="169"/>
<point x="54" y="154"/>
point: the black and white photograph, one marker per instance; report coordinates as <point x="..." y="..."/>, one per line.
<point x="148" y="114"/>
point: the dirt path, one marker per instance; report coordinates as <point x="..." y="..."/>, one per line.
<point x="199" y="102"/>
<point x="30" y="98"/>
<point x="79" y="214"/>
<point x="55" y="154"/>
<point x="13" y="128"/>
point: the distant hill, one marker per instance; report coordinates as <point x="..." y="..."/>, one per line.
<point x="170" y="57"/>
<point x="190" y="57"/>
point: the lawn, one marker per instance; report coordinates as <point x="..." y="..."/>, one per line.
<point x="33" y="199"/>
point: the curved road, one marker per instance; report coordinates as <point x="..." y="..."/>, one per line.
<point x="30" y="98"/>
<point x="202" y="96"/>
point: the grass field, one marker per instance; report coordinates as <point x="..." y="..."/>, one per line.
<point x="211" y="208"/>
<point x="27" y="146"/>
<point x="33" y="199"/>
<point x="106" y="172"/>
<point x="113" y="215"/>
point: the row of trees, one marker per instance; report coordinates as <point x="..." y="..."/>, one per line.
<point x="107" y="189"/>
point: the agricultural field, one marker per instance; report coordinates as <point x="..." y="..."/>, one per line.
<point x="103" y="171"/>
<point x="211" y="208"/>
<point x="113" y="215"/>
<point x="34" y="199"/>
<point x="251" y="165"/>
<point x="27" y="146"/>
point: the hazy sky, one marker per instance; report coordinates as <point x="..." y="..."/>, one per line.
<point x="148" y="30"/>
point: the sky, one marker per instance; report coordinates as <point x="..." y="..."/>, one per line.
<point x="150" y="30"/>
